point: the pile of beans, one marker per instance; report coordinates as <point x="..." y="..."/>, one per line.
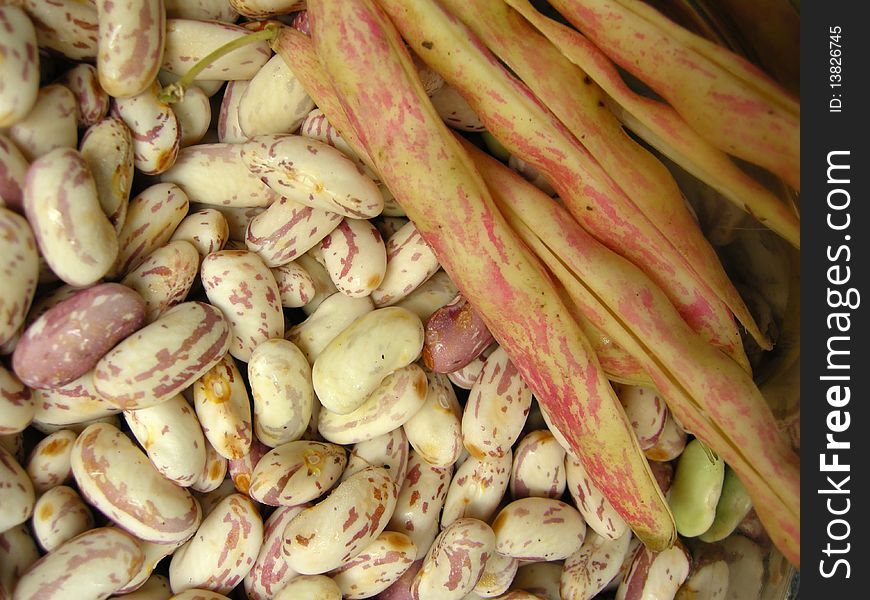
<point x="231" y="367"/>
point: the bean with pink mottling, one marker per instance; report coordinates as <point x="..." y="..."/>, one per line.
<point x="203" y="10"/>
<point x="325" y="536"/>
<point x="17" y="405"/>
<point x="68" y="340"/>
<point x="17" y="552"/>
<point x="455" y="336"/>
<point x="75" y="402"/>
<point x="312" y="587"/>
<point x="49" y="462"/>
<point x="16" y="492"/>
<point x="419" y="503"/>
<point x="317" y="127"/>
<point x="130" y="48"/>
<point x="377" y="567"/>
<point x="670" y="443"/>
<point x="241" y="468"/>
<point x="455" y="111"/>
<point x="214" y="471"/>
<point x="224" y="410"/>
<point x="13" y="170"/>
<point x="145" y="504"/>
<point x="209" y="500"/>
<point x="540" y="579"/>
<point x="646" y="411"/>
<point x="455" y="562"/>
<point x="60" y="515"/>
<point x="538" y="467"/>
<point x="656" y="574"/>
<point x="466" y="376"/>
<point x="154" y="587"/>
<point x="165" y="277"/>
<point x="497" y="407"/>
<point x="49" y="125"/>
<point x="589" y="570"/>
<point x="73" y="234"/>
<point x="228" y="128"/>
<point x="154" y="127"/>
<point x="296" y="472"/>
<point x="595" y="508"/>
<point x="274" y="101"/>
<point x="540" y="529"/>
<point x="355" y="257"/>
<point x="19" y="69"/>
<point x="92" y="101"/>
<point x="435" y="430"/>
<point x="100" y="561"/>
<point x="188" y="41"/>
<point x="323" y="286"/>
<point x="68" y="27"/>
<point x="263" y="9"/>
<point x="410" y="262"/>
<point x="497" y="575"/>
<point x="163" y="358"/>
<point x="280" y="380"/>
<point x="151" y="220"/>
<point x="206" y="229"/>
<point x="295" y="285"/>
<point x="271" y="572"/>
<point x="401" y="589"/>
<point x="194" y="115"/>
<point x="389" y="451"/>
<point x="107" y="147"/>
<point x="332" y="317"/>
<point x="223" y="550"/>
<point x="432" y="294"/>
<point x="476" y="489"/>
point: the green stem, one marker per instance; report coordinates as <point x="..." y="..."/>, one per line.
<point x="174" y="92"/>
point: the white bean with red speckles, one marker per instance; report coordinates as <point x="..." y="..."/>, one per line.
<point x="224" y="409"/>
<point x="274" y="101"/>
<point x="154" y="553"/>
<point x="295" y="285"/>
<point x="241" y="469"/>
<point x="92" y="101"/>
<point x="261" y="9"/>
<point x="646" y="411"/>
<point x="223" y="550"/>
<point x="538" y="467"/>
<point x="477" y="487"/>
<point x="17" y="406"/>
<point x="355" y="257"/>
<point x="541" y="529"/>
<point x="155" y="587"/>
<point x="410" y="262"/>
<point x="19" y="69"/>
<point x="188" y="41"/>
<point x="332" y="316"/>
<point x="16" y="492"/>
<point x="75" y="402"/>
<point x="455" y="562"/>
<point x="389" y="450"/>
<point x="317" y="127"/>
<point x="329" y="534"/>
<point x="592" y="504"/>
<point x="59" y="515"/>
<point x="17" y="552"/>
<point x="65" y="26"/>
<point x="207" y="229"/>
<point x="165" y="277"/>
<point x="590" y="569"/>
<point x="228" y="128"/>
<point x="203" y="10"/>
<point x="296" y="472"/>
<point x="13" y="170"/>
<point x="214" y="471"/>
<point x="323" y="286"/>
<point x="435" y="430"/>
<point x="271" y="572"/>
<point x="49" y="462"/>
<point x="107" y="147"/>
<point x="49" y="125"/>
<point x="455" y="110"/>
<point x="497" y="575"/>
<point x="154" y="127"/>
<point x="194" y="115"/>
<point x="377" y="567"/>
<point x="658" y="574"/>
<point x="670" y="443"/>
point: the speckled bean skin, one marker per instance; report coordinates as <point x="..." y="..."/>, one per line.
<point x="332" y="317"/>
<point x="355" y="257"/>
<point x="410" y="262"/>
<point x="466" y="376"/>
<point x="172" y="438"/>
<point x="435" y="430"/>
<point x="13" y="170"/>
<point x="317" y="127"/>
<point x="151" y="220"/>
<point x="19" y="267"/>
<point x="107" y="147"/>
<point x="50" y="124"/>
<point x="646" y="411"/>
<point x="228" y="128"/>
<point x="19" y="70"/>
<point x="16" y="492"/>
<point x="419" y="504"/>
<point x="92" y="101"/>
<point x="165" y="277"/>
<point x="68" y="27"/>
<point x="154" y="127"/>
<point x="163" y="358"/>
<point x="323" y="286"/>
<point x="497" y="575"/>
<point x="224" y="409"/>
<point x="398" y="398"/>
<point x="223" y="550"/>
<point x="297" y="472"/>
<point x="81" y="245"/>
<point x="455" y="562"/>
<point x="389" y="451"/>
<point x="538" y="580"/>
<point x="540" y="529"/>
<point x="262" y="9"/>
<point x="455" y="110"/>
<point x="274" y="101"/>
<point x="203" y="10"/>
<point x="593" y="566"/>
<point x="241" y="469"/>
<point x="655" y="574"/>
<point x="377" y="567"/>
<point x="539" y="467"/>
<point x="75" y="402"/>
<point x="238" y="283"/>
<point x="355" y="362"/>
<point x="329" y="534"/>
<point x="312" y="173"/>
<point x="154" y="587"/>
<point x="206" y="229"/>
<point x="17" y="552"/>
<point x="295" y="285"/>
<point x="271" y="572"/>
<point x="95" y="562"/>
<point x="497" y="407"/>
<point x="313" y="587"/>
<point x="283" y="397"/>
<point x="476" y="489"/>
<point x="145" y="504"/>
<point x="214" y="471"/>
<point x="49" y="462"/>
<point x="670" y="443"/>
<point x="194" y="115"/>
<point x="188" y="41"/>
<point x="68" y="340"/>
<point x="60" y="515"/>
<point x="130" y="49"/>
<point x="595" y="508"/>
<point x="17" y="406"/>
<point x="455" y="335"/>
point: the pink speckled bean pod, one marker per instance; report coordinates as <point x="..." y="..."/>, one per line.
<point x="164" y="357"/>
<point x="92" y="101"/>
<point x="410" y="262"/>
<point x="497" y="576"/>
<point x="455" y="562"/>
<point x="295" y="285"/>
<point x="419" y="503"/>
<point x="68" y="340"/>
<point x="49" y="462"/>
<point x="188" y="41"/>
<point x="646" y="411"/>
<point x="589" y="570"/>
<point x="19" y="69"/>
<point x="75" y="402"/>
<point x="165" y="277"/>
<point x="107" y="147"/>
<point x="58" y="516"/>
<point x="497" y="407"/>
<point x="476" y="489"/>
<point x="274" y="101"/>
<point x="17" y="552"/>
<point x="297" y="472"/>
<point x="13" y="170"/>
<point x="68" y="27"/>
<point x="280" y="380"/>
<point x="223" y="550"/>
<point x="16" y="492"/>
<point x="172" y="438"/>
<point x="389" y="451"/>
<point x="396" y="400"/>
<point x="331" y="317"/>
<point x="271" y="572"/>
<point x="435" y="430"/>
<point x="228" y="128"/>
<point x="312" y="173"/>
<point x="194" y="115"/>
<point x="130" y="46"/>
<point x="595" y="508"/>
<point x="117" y="479"/>
<point x="377" y="567"/>
<point x="539" y="467"/>
<point x="206" y="229"/>
<point x="224" y="409"/>
<point x="17" y="406"/>
<point x="455" y="336"/>
<point x="50" y="124"/>
<point x="263" y="9"/>
<point x="155" y="129"/>
<point x="73" y="234"/>
<point x="327" y="535"/>
<point x="541" y="529"/>
<point x="100" y="560"/>
<point x="202" y="10"/>
<point x="355" y="257"/>
<point x="238" y="283"/>
<point x="213" y="174"/>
